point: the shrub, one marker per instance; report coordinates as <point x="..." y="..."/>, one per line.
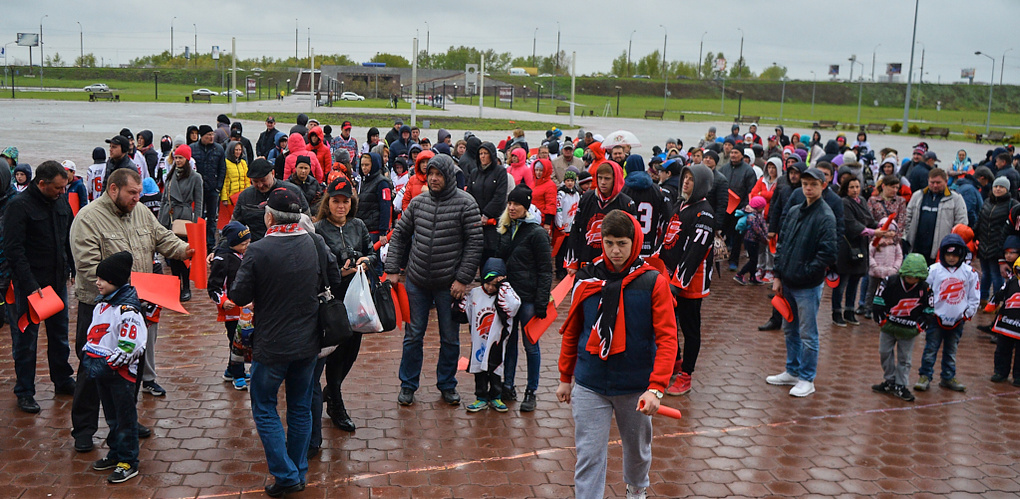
<point x="896" y="127"/>
<point x="914" y="130"/>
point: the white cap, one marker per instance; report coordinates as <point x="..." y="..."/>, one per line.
<point x="69" y="165"/>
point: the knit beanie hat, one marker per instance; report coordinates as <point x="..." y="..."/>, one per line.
<point x="493" y="268"/>
<point x="236" y="233"/>
<point x="1011" y="242"/>
<point x="569" y="175"/>
<point x="116" y="268"/>
<point x="1001" y="182"/>
<point x="521" y="195"/>
<point x="712" y="154"/>
<point x="914" y="265"/>
<point x="98" y="154"/>
<point x="183" y="150"/>
<point x="758" y="203"/>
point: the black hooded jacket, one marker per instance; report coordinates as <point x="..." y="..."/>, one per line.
<point x="468" y="162"/>
<point x="375" y="198"/>
<point x="489" y="188"/>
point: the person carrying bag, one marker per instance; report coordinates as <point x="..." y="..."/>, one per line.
<point x="182" y="203"/>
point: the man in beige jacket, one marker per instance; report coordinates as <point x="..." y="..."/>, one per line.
<point x="106" y="226"/>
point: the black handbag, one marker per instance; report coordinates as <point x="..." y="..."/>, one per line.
<point x="384" y="306"/>
<point x="334" y="326"/>
<point x="855" y="253"/>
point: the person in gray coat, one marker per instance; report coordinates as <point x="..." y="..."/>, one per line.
<point x="182" y="200"/>
<point x="440" y="238"/>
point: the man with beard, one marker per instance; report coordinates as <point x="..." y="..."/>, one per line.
<point x="263" y="181"/>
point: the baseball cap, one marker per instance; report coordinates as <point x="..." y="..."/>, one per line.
<point x="815" y="173"/>
<point x="340" y="187"/>
<point x="121" y="141"/>
<point x="346" y="125"/>
<point x="931" y="155"/>
<point x="259" y="168"/>
<point x="270" y="120"/>
<point x="282" y="199"/>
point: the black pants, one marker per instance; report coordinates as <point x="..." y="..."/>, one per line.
<point x="85" y="406"/>
<point x="688" y="320"/>
<point x="751" y="267"/>
<point x="236" y="369"/>
<point x="180" y="269"/>
<point x="1004" y="352"/>
<point x="488" y="385"/>
<point x="338" y="366"/>
<point x="734" y="239"/>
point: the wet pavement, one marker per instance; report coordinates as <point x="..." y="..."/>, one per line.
<point x="738" y="436"/>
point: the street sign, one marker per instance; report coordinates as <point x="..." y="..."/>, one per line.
<point x="251" y="85"/>
<point x="894" y="68"/>
<point x="834" y="69"/>
<point x="216" y="52"/>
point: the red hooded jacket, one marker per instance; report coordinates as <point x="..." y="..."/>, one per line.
<point x="296" y="147"/>
<point x="418" y="180"/>
<point x="321" y="151"/>
<point x="586" y="235"/>
<point x="544" y="192"/>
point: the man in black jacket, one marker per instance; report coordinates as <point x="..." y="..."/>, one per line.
<point x="780" y="202"/>
<point x="36" y="229"/>
<point x="120" y="157"/>
<point x="145" y="146"/>
<point x="442" y="259"/>
<point x="488" y="185"/>
<point x="267" y="140"/>
<point x="286" y="339"/>
<point x="807" y="247"/>
<point x="249" y="209"/>
<point x="210" y="162"/>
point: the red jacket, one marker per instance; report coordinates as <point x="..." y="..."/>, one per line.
<point x="296" y="147"/>
<point x="418" y="180"/>
<point x="321" y="152"/>
<point x="543" y="194"/>
<point x="765" y="191"/>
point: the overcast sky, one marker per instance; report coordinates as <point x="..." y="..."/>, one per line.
<point x="803" y="35"/>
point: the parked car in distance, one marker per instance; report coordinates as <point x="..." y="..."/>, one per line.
<point x="643" y="77"/>
<point x="351" y="96"/>
<point x="97" y="87"/>
<point x="203" y="91"/>
<point x="544" y="75"/>
<point x="235" y="91"/>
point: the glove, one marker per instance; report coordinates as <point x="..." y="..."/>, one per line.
<point x="501" y="298"/>
<point x="540" y="312"/>
<point x="117" y="358"/>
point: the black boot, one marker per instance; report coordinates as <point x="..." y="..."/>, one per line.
<point x="185" y="289"/>
<point x="338" y="413"/>
<point x="775" y="322"/>
<point x="837" y="319"/>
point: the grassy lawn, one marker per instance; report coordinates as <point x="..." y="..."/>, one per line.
<point x="385" y="121"/>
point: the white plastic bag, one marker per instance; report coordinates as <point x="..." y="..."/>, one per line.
<point x="360" y="306"/>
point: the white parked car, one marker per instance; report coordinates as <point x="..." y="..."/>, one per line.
<point x="97" y="87"/>
<point x="235" y="92"/>
<point x="351" y="96"/>
<point x="203" y="91"/>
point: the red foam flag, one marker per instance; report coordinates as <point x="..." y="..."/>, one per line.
<point x="160" y="289"/>
<point x="536" y="327"/>
<point x="731" y="205"/>
<point x="196" y="239"/>
<point x="562" y="289"/>
<point x="74" y="201"/>
<point x="664" y="410"/>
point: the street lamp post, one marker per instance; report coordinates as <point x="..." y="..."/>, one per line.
<point x="534" y="43"/>
<point x="194" y="56"/>
<point x="700" y="47"/>
<point x="42" y="60"/>
<point x="910" y="72"/>
<point x="81" y="43"/>
<point x="428" y="55"/>
<point x="155" y="78"/>
<point x="873" y="52"/>
<point x="991" y="86"/>
<point x="629" y="45"/>
<point x="665" y="70"/>
<point x="740" y="59"/>
<point x="538" y="99"/>
<point x="172" y="37"/>
<point x="814" y="83"/>
<point x="860" y="91"/>
<point x="1002" y="68"/>
<point x="740" y="102"/>
<point x="556" y="61"/>
<point x="618" y="88"/>
<point x="782" y="99"/>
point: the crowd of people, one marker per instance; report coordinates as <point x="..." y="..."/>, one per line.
<point x="481" y="231"/>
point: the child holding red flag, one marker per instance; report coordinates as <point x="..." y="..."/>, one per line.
<point x="619" y="346"/>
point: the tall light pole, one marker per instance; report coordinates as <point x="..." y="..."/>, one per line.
<point x="920" y="80"/>
<point x="309" y="42"/>
<point x="194" y="56"/>
<point x="991" y="86"/>
<point x="740" y="59"/>
<point x="873" y="51"/>
<point x="556" y="61"/>
<point x="172" y="37"/>
<point x="860" y="91"/>
<point x="1002" y="68"/>
<point x="910" y="72"/>
<point x="629" y="45"/>
<point x="81" y="43"/>
<point x="701" y="46"/>
<point x="42" y="60"/>
<point x="295" y="39"/>
<point x="534" y="43"/>
<point x="428" y="55"/>
<point x="665" y="70"/>
<point x="782" y="99"/>
<point x="814" y="83"/>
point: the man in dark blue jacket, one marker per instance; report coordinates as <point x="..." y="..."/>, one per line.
<point x="210" y="162"/>
<point x="401" y="146"/>
<point x="807" y="248"/>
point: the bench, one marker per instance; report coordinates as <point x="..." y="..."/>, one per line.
<point x="654" y="114"/>
<point x="97" y="96"/>
<point x="748" y="119"/>
<point x="875" y="127"/>
<point x="562" y="109"/>
<point x="935" y="132"/>
<point x="825" y="124"/>
<point x="992" y="137"/>
<point x="198" y="97"/>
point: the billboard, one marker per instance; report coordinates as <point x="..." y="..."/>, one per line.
<point x="967" y="73"/>
<point x="216" y="52"/>
<point x="28" y="39"/>
<point x="834" y="69"/>
<point x="720" y="65"/>
<point x="894" y="68"/>
<point x="252" y="87"/>
<point x="506" y="94"/>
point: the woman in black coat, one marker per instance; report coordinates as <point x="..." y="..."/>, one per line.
<point x="852" y="259"/>
<point x="525" y="247"/>
<point x="348" y="238"/>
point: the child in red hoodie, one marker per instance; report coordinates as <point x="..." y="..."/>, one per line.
<point x="619" y="346"/>
<point x="544" y="192"/>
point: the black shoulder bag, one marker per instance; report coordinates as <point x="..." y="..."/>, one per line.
<point x="333" y="323"/>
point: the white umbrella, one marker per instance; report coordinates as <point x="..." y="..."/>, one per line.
<point x="620" y="137"/>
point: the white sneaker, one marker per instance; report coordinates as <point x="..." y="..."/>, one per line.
<point x="783" y="378"/>
<point x="802" y="389"/>
<point x="636" y="492"/>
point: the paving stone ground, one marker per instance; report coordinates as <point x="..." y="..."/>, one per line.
<point x="738" y="436"/>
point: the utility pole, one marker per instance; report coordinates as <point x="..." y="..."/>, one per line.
<point x="81" y="43"/>
<point x="42" y="60"/>
<point x="295" y="39"/>
<point x="414" y="81"/>
<point x="556" y="61"/>
<point x="233" y="77"/>
<point x="1002" y="68"/>
<point x="573" y="78"/>
<point x="740" y="59"/>
<point x="873" y="62"/>
<point x="428" y="55"/>
<point x="309" y="41"/>
<point x="172" y="37"/>
<point x="481" y="83"/>
<point x="910" y="72"/>
<point x="629" y="45"/>
<point x="534" y="43"/>
<point x="700" y="47"/>
<point x="194" y="57"/>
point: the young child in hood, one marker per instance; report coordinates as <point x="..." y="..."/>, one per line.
<point x="544" y="196"/>
<point x="94" y="174"/>
<point x="489" y="310"/>
<point x="115" y="342"/>
<point x="567" y="198"/>
<point x="902" y="306"/>
<point x="884" y="260"/>
<point x="755" y="234"/>
<point x="22" y="176"/>
<point x="226" y="260"/>
<point x="1007" y="325"/>
<point x="956" y="297"/>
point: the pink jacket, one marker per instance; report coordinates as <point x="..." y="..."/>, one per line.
<point x="520" y="169"/>
<point x="885" y="260"/>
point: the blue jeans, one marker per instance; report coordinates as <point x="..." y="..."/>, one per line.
<point x="991" y="279"/>
<point x="24" y="345"/>
<point x="948" y="339"/>
<point x="802" y="332"/>
<point x="118" y="398"/>
<point x="420" y="301"/>
<point x="287" y="457"/>
<point x="531" y="350"/>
